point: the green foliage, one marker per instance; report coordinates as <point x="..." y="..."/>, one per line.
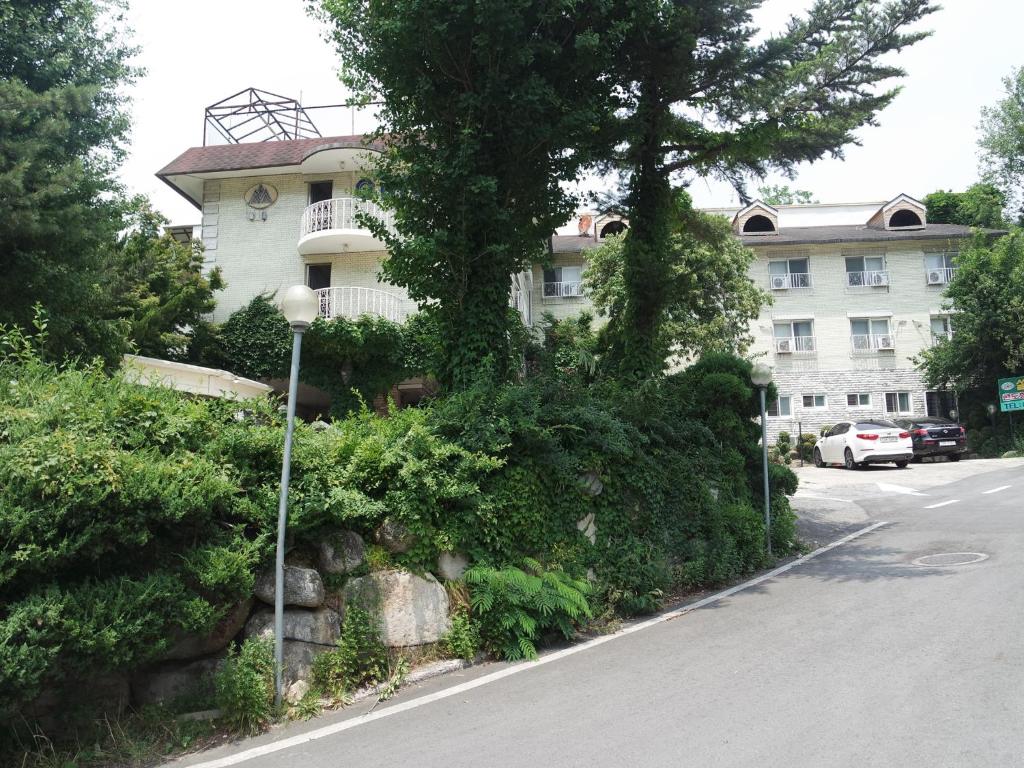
<point x="634" y="575"/>
<point x="699" y="97"/>
<point x="486" y="96"/>
<point x="775" y="194"/>
<point x="359" y="659"/>
<point x="981" y="205"/>
<point x="462" y="641"/>
<point x="696" y="314"/>
<point x="986" y="296"/>
<point x="806" y="445"/>
<point x="256" y="340"/>
<point x="515" y="607"/>
<point x="64" y="72"/>
<point x="245" y="686"/>
<point x="1002" y="142"/>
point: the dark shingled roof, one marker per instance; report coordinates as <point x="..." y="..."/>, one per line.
<point x="859" y="233"/>
<point x="262" y="154"/>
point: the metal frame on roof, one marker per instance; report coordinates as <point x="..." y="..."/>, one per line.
<point x="255" y="115"/>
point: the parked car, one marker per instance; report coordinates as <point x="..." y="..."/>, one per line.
<point x="936" y="436"/>
<point x="866" y="441"/>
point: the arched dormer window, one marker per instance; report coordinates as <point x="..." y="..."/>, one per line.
<point x="758" y="224"/>
<point x="612" y="228"/>
<point x="902" y="212"/>
<point x="756" y="219"/>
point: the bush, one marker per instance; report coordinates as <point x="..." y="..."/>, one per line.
<point x="245" y="686"/>
<point x="462" y="641"/>
<point x="515" y="607"/>
<point x="360" y="658"/>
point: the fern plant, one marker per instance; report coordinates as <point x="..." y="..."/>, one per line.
<point x="515" y="607"/>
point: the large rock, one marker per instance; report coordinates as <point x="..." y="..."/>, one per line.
<point x="174" y="680"/>
<point x="302" y="586"/>
<point x="322" y="626"/>
<point x="341" y="553"/>
<point x="193" y="646"/>
<point x="394" y="536"/>
<point x="58" y="712"/>
<point x="451" y="565"/>
<point x="298" y="660"/>
<point x="409" y="610"/>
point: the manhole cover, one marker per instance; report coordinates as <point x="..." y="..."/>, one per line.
<point x="951" y="558"/>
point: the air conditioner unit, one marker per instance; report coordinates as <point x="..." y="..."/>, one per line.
<point x="880" y="278"/>
<point x="780" y="282"/>
<point x="885" y="342"/>
<point x="783" y="345"/>
<point x="936" y="277"/>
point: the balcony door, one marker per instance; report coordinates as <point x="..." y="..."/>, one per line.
<point x="321" y="216"/>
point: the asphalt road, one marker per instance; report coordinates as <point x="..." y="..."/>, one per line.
<point x="857" y="657"/>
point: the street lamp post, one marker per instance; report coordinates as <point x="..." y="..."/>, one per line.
<point x="299" y="306"/>
<point x="761" y="376"/>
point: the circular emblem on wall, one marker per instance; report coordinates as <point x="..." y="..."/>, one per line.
<point x="260" y="196"/>
<point x="364" y="186"/>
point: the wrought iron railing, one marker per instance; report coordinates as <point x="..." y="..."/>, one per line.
<point x="342" y="213"/>
<point x="352" y="302"/>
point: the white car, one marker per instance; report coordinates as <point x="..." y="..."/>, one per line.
<point x="867" y="441"/>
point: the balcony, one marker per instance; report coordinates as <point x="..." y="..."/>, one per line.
<point x="332" y="226"/>
<point x="865" y="343"/>
<point x="353" y="302"/>
<point x="796" y="345"/>
<point x="790" y="280"/>
<point x="939" y="275"/>
<point x="876" y="278"/>
<point x="564" y="290"/>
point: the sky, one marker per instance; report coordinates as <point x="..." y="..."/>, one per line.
<point x="197" y="52"/>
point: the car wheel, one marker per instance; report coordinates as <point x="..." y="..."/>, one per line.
<point x="954" y="457"/>
<point x="817" y="458"/>
<point x="850" y="463"/>
<point x="902" y="464"/>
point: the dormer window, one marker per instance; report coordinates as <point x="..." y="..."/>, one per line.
<point x="612" y="228"/>
<point x="757" y="219"/>
<point x="902" y="212"/>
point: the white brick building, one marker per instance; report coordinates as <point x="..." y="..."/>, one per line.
<point x="857" y="288"/>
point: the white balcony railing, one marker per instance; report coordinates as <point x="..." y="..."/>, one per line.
<point x="939" y="275"/>
<point x="352" y="302"/>
<point x="873" y="278"/>
<point x="789" y="280"/>
<point x="796" y="345"/>
<point x="563" y="290"/>
<point x="871" y="342"/>
<point x="342" y="213"/>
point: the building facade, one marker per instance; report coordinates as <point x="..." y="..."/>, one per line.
<point x="856" y="289"/>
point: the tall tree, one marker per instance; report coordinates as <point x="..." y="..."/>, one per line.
<point x="776" y="194"/>
<point x="701" y="98"/>
<point x="980" y="205"/>
<point x="987" y="296"/>
<point x="710" y="299"/>
<point x="489" y="105"/>
<point x="1002" y="142"/>
<point x="63" y="73"/>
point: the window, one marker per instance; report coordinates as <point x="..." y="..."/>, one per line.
<point x="318" y="276"/>
<point x="563" y="282"/>
<point x="870" y="334"/>
<point x="612" y="228"/>
<point x="758" y="223"/>
<point x="940" y="403"/>
<point x="781" y="407"/>
<point x="320" y="191"/>
<point x="941" y="329"/>
<point x="814" y="401"/>
<point x="905" y="218"/>
<point x="866" y="271"/>
<point x="939" y="268"/>
<point x="897" y="402"/>
<point x="794" y="336"/>
<point x="859" y="400"/>
<point x="789" y="273"/>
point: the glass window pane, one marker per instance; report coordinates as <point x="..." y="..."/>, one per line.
<point x="803" y="328"/>
<point x="783" y="330"/>
<point x="798" y="266"/>
<point x="860" y="327"/>
<point x="851" y="399"/>
<point x="904" y="398"/>
<point x="808" y="401"/>
<point x="880" y="326"/>
<point x="854" y="264"/>
<point x="819" y="401"/>
<point x="934" y="260"/>
<point x="785" y="405"/>
<point x="571" y="274"/>
<point x="874" y="264"/>
<point x="778" y="267"/>
<point x="947" y="260"/>
<point x="551" y="275"/>
<point x="890" y="402"/>
<point x="773" y="408"/>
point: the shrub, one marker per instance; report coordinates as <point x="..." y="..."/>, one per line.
<point x="245" y="686"/>
<point x="360" y="657"/>
<point x="515" y="607"/>
<point x="462" y="641"/>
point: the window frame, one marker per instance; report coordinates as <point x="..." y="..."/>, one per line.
<point x="777" y="405"/>
<point x="859" y="396"/>
<point x="898" y="394"/>
<point x="814" y="398"/>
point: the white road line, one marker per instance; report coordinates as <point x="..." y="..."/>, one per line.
<point x="1000" y="488"/>
<point x="799" y="496"/>
<point x="942" y="504"/>
<point x="890" y="488"/>
<point x="455" y="690"/>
